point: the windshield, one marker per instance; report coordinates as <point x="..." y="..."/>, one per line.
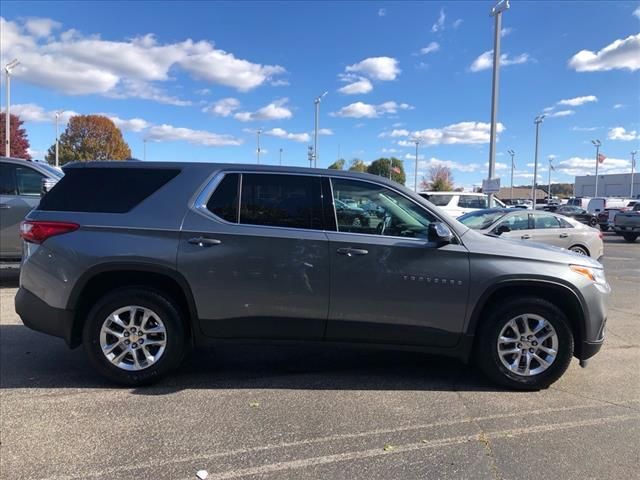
<point x="52" y="171"/>
<point x="481" y="219"/>
<point x="437" y="200"/>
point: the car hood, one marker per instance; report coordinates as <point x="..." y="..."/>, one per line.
<point x="478" y="242"/>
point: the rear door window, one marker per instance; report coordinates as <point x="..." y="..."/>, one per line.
<point x="279" y="200"/>
<point x="7" y="179"/>
<point x="224" y="200"/>
<point x="473" y="201"/>
<point x="28" y="181"/>
<point x="518" y="221"/>
<point x="438" y="200"/>
<point x="545" y="221"/>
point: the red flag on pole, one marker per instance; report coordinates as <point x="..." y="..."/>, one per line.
<point x="601" y="158"/>
<point x="396" y="169"/>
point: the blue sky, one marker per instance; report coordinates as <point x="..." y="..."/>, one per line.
<point x="198" y="79"/>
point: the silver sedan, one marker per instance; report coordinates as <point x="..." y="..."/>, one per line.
<point x="533" y="226"/>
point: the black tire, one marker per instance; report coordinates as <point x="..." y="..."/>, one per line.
<point x="593" y="222"/>
<point x="604" y="228"/>
<point x="166" y="310"/>
<point x="630" y="237"/>
<point x="486" y="353"/>
<point x="580" y="250"/>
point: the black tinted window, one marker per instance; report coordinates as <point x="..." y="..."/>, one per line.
<point x="545" y="221"/>
<point x="281" y="201"/>
<point x="105" y="190"/>
<point x="29" y="181"/>
<point x="7" y="179"/>
<point x="224" y="201"/>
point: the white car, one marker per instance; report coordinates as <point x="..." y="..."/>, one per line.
<point x="459" y="203"/>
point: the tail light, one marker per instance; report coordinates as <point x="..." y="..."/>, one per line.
<point x="37" y="232"/>
<point x="600" y="235"/>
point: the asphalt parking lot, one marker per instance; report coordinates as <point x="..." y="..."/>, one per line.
<point x="298" y="412"/>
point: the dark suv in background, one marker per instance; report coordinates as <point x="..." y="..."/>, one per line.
<point x="138" y="262"/>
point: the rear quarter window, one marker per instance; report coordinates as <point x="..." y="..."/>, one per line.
<point x="105" y="190"/>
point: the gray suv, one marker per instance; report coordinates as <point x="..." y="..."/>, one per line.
<point x="22" y="183"/>
<point x="139" y="262"/>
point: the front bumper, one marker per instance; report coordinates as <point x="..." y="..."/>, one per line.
<point x="40" y="316"/>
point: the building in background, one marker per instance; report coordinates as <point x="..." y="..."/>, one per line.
<point x="520" y="193"/>
<point x="611" y="185"/>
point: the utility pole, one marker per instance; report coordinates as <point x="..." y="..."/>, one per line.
<point x="7" y="113"/>
<point x="280" y="161"/>
<point x="597" y="144"/>
<point x="415" y="181"/>
<point x="496" y="12"/>
<point x="315" y="131"/>
<point x="538" y="120"/>
<point x="549" y="188"/>
<point x="513" y="166"/>
<point x="258" y="132"/>
<point x="633" y="165"/>
<point x="144" y="151"/>
<point x="310" y="156"/>
<point x="58" y="113"/>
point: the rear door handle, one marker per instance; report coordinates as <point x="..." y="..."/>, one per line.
<point x="204" y="241"/>
<point x="351" y="252"/>
<point x="526" y="236"/>
<point x="564" y="235"/>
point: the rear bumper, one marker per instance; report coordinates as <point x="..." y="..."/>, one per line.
<point x="40" y="316"/>
<point x="627" y="228"/>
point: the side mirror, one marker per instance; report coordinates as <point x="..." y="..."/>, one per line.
<point x="439" y="233"/>
<point x="502" y="229"/>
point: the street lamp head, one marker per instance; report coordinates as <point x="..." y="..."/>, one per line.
<point x="318" y="99"/>
<point x="597" y="143"/>
<point x="11" y="65"/>
<point x="499" y="7"/>
<point x="511" y="152"/>
<point x="539" y="118"/>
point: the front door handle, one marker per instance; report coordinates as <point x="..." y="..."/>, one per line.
<point x="351" y="252"/>
<point x="563" y="235"/>
<point x="4" y="206"/>
<point x="204" y="241"/>
<point x="526" y="236"/>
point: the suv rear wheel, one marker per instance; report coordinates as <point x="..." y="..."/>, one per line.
<point x="134" y="336"/>
<point x="525" y="344"/>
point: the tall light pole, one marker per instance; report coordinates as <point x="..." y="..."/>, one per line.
<point x="280" y="161"/>
<point x="538" y="120"/>
<point x="597" y="143"/>
<point x="633" y="165"/>
<point x="7" y="132"/>
<point x="551" y="157"/>
<point x="58" y="113"/>
<point x="315" y="132"/>
<point x="144" y="151"/>
<point x="310" y="156"/>
<point x="258" y="132"/>
<point x="513" y="166"/>
<point x="496" y="12"/>
<point x="415" y="181"/>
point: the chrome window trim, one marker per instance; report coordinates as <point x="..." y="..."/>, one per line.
<point x="199" y="204"/>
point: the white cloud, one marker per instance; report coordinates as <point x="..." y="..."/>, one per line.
<point x="75" y="64"/>
<point x="360" y="86"/>
<point x="636" y="13"/>
<point x="129" y="125"/>
<point x="424" y="165"/>
<point x="619" y="105"/>
<point x="325" y="131"/>
<point x="41" y="27"/>
<point x="365" y="110"/>
<point x="382" y="12"/>
<point x="577" y="101"/>
<point x="203" y="91"/>
<point x="439" y="25"/>
<point x="432" y="47"/>
<point x="621" y="54"/>
<point x="223" y="107"/>
<point x="506" y="31"/>
<point x="296" y="137"/>
<point x="391" y="150"/>
<point x="280" y="83"/>
<point x="585" y="129"/>
<point x="169" y="133"/>
<point x="485" y="60"/>
<point x="30" y="112"/>
<point x="562" y="113"/>
<point x="395" y="133"/>
<point x="457" y="23"/>
<point x="377" y="68"/>
<point x="276" y="110"/>
<point x="581" y="166"/>
<point x="458" y="133"/>
<point x="620" y="133"/>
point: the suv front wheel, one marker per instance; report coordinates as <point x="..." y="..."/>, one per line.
<point x="134" y="336"/>
<point x="525" y="344"/>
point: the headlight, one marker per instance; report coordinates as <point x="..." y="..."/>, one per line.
<point x="596" y="275"/>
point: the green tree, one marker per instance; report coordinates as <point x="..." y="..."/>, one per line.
<point x="338" y="164"/>
<point x="19" y="140"/>
<point x="90" y="137"/>
<point x="382" y="166"/>
<point x="358" y="165"/>
<point x="440" y="179"/>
